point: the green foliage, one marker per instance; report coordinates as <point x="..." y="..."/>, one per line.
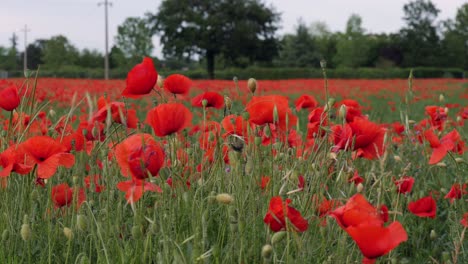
<point x="239" y="30"/>
<point x="58" y="51"/>
<point x="134" y="39"/>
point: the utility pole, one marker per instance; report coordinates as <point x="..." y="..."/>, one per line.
<point x="106" y="55"/>
<point x="25" y="54"/>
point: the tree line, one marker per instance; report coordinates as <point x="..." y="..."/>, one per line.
<point x="219" y="34"/>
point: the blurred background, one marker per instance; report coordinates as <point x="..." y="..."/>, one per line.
<point x="270" y="39"/>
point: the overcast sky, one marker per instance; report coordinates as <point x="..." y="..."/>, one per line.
<point x="82" y="21"/>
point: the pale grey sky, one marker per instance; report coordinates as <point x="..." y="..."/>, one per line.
<point x="82" y="21"/>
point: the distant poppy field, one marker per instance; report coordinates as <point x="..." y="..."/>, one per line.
<point x="156" y="169"/>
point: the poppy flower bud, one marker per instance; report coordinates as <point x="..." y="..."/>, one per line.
<point x="397" y="158"/>
<point x="267" y="251"/>
<point x="445" y="256"/>
<point x="275" y="115"/>
<point x="52" y="112"/>
<point x="252" y="84"/>
<point x="323" y="63"/>
<point x="137" y="232"/>
<point x="81" y="222"/>
<point x="433" y="234"/>
<point x="160" y="81"/>
<point x="441" y="98"/>
<point x="25" y="232"/>
<point x="441" y="164"/>
<point x="68" y="233"/>
<point x="359" y="187"/>
<point x="258" y="141"/>
<point x="446" y="110"/>
<point x="249" y="166"/>
<point x="204" y="102"/>
<point x="278" y="237"/>
<point x="153" y="228"/>
<point x="459" y="160"/>
<point x="342" y="112"/>
<point x="5" y="235"/>
<point x="228" y="102"/>
<point x="459" y="118"/>
<point x="224" y="198"/>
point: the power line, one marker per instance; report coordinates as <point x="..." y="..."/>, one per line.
<point x="106" y="56"/>
<point x="25" y="54"/>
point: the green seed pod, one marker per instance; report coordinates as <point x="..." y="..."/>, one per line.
<point x="278" y="237"/>
<point x="81" y="222"/>
<point x="68" y="233"/>
<point x="267" y="251"/>
<point x="25" y="232"/>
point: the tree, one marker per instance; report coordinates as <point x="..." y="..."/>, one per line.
<point x="420" y="41"/>
<point x="58" y="52"/>
<point x="90" y="59"/>
<point x="299" y="50"/>
<point x="9" y="59"/>
<point x="235" y="29"/>
<point x="134" y="38"/>
<point x="353" y="47"/>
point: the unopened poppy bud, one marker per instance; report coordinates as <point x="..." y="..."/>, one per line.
<point x="359" y="187"/>
<point x="459" y="160"/>
<point x="267" y="251"/>
<point x="441" y="164"/>
<point x="252" y="84"/>
<point x="342" y="112"/>
<point x="228" y="102"/>
<point x="397" y="158"/>
<point x="235" y="79"/>
<point x="137" y="232"/>
<point x="459" y="118"/>
<point x="411" y="121"/>
<point x="441" y="98"/>
<point x="433" y="234"/>
<point x="68" y="233"/>
<point x="278" y="237"/>
<point x="332" y="155"/>
<point x="75" y="179"/>
<point x="323" y="63"/>
<point x="25" y="232"/>
<point x="52" y="112"/>
<point x="275" y="115"/>
<point x="330" y="104"/>
<point x="5" y="235"/>
<point x="446" y="110"/>
<point x="204" y="102"/>
<point x="258" y="141"/>
<point x="35" y="195"/>
<point x="81" y="222"/>
<point x="224" y="198"/>
<point x="160" y="81"/>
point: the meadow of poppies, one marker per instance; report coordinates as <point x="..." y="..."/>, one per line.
<point x="173" y="170"/>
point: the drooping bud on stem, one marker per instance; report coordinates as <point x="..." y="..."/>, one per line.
<point x="252" y="84"/>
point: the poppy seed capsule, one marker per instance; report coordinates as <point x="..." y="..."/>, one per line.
<point x="359" y="188"/>
<point x="278" y="237"/>
<point x="267" y="250"/>
<point x="68" y="233"/>
<point x="228" y="102"/>
<point x="160" y="81"/>
<point x="25" y="232"/>
<point x="252" y="84"/>
<point x="224" y="198"/>
<point x="433" y="234"/>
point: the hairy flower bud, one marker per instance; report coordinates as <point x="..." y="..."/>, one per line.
<point x="252" y="84"/>
<point x="224" y="198"/>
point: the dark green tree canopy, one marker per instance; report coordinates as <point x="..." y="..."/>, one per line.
<point x="134" y="38"/>
<point x="235" y="29"/>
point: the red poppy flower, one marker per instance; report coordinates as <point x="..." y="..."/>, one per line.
<point x="264" y="109"/>
<point x="213" y="99"/>
<point x="235" y="125"/>
<point x="13" y="159"/>
<point x="450" y="142"/>
<point x="404" y="184"/>
<point x="305" y="101"/>
<point x="264" y="181"/>
<point x="48" y="154"/>
<point x="358" y="211"/>
<point x="62" y="195"/>
<point x="464" y="220"/>
<point x="375" y="241"/>
<point x="356" y="179"/>
<point x="118" y="112"/>
<point x="276" y="219"/>
<point x="141" y="79"/>
<point x="177" y="84"/>
<point x="326" y="206"/>
<point x="169" y="118"/>
<point x="139" y="155"/>
<point x="456" y="192"/>
<point x="9" y="98"/>
<point x="368" y="138"/>
<point x="424" y="207"/>
<point x="135" y="188"/>
<point x="437" y="115"/>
